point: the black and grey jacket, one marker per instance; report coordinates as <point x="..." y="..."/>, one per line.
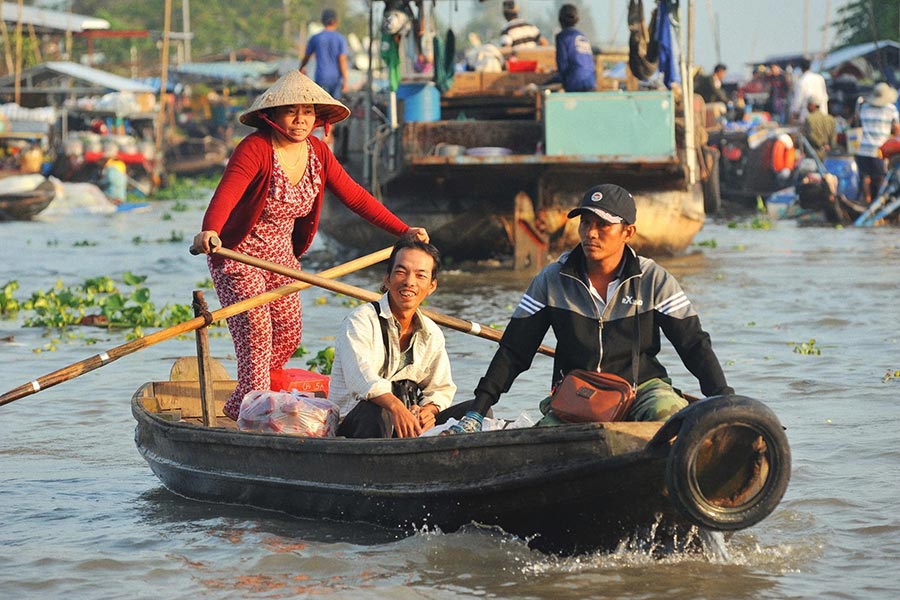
<point x="559" y="298"/>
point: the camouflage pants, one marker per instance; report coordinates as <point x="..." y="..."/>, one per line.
<point x="656" y="400"/>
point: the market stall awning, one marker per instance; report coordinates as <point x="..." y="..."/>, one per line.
<point x="44" y="20"/>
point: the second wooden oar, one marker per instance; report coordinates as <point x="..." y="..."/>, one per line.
<point x="104" y="358"/>
<point x="356" y="292"/>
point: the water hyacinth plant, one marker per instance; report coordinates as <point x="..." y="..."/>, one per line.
<point x="98" y="301"/>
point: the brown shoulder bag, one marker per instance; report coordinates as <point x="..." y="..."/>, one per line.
<point x="590" y="397"/>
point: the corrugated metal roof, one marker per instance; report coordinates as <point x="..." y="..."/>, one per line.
<point x="42" y="18"/>
<point x="97" y="77"/>
<point x="859" y="50"/>
<point x="247" y="72"/>
<point x="44" y="75"/>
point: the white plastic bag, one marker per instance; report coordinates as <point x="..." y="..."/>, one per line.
<point x="288" y="412"/>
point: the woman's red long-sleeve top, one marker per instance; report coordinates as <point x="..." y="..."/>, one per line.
<point x="241" y="195"/>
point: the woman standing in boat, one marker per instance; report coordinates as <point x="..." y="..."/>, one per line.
<point x="267" y="205"/>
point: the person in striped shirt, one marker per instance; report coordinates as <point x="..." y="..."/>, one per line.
<point x="605" y="305"/>
<point x="879" y="120"/>
<point x="518" y="33"/>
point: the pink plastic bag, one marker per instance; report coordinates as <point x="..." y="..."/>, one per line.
<point x="288" y="412"/>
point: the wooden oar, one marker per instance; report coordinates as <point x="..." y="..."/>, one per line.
<point x="104" y="358"/>
<point x="350" y="290"/>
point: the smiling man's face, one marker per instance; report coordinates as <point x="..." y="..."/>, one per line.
<point x="411" y="279"/>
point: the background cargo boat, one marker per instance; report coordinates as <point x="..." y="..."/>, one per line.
<point x="722" y="464"/>
<point x="492" y="165"/>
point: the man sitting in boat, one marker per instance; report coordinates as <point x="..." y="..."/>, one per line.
<point x="600" y="298"/>
<point x="391" y="374"/>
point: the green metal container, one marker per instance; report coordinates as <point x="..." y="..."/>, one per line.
<point x="624" y="125"/>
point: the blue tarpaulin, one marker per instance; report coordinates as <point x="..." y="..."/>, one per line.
<point x="669" y="52"/>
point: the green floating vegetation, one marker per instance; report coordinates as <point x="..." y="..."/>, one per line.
<point x="322" y="361"/>
<point x="187" y="188"/>
<point x="9" y="306"/>
<point x="760" y="220"/>
<point x="807" y="348"/>
<point x="98" y="301"/>
<point x="891" y="374"/>
<point x="175" y="237"/>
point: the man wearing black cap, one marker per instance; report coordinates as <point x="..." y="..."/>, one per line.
<point x="599" y="298"/>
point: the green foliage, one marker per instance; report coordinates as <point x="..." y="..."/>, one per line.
<point x="187" y="188"/>
<point x="274" y="24"/>
<point x="9" y="306"/>
<point x="711" y="243"/>
<point x="97" y="301"/>
<point x="322" y="361"/>
<point x="760" y="219"/>
<point x="808" y="348"/>
<point x="300" y="352"/>
<point x="350" y="302"/>
<point x="862" y="21"/>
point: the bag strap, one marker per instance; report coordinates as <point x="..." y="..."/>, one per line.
<point x="636" y="340"/>
<point x="384" y="337"/>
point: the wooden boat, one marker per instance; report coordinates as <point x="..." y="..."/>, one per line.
<point x="22" y="197"/>
<point x="722" y="463"/>
<point x="492" y="165"/>
<point x="498" y="188"/>
<point x="196" y="156"/>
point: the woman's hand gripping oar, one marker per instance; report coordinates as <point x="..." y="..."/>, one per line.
<point x="104" y="358"/>
<point x="349" y="290"/>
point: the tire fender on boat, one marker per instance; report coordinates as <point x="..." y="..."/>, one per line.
<point x="784" y="155"/>
<point x="730" y="463"/>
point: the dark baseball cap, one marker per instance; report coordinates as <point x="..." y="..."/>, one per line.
<point x="610" y="202"/>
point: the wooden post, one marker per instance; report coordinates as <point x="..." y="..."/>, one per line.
<point x="204" y="370"/>
<point x="530" y="245"/>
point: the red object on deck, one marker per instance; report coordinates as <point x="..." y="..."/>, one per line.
<point x="300" y="380"/>
<point x="890" y="147"/>
<point x="521" y="66"/>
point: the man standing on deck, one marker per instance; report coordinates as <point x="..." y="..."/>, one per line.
<point x="820" y="129"/>
<point x="518" y="33"/>
<point x="879" y="119"/>
<point x="709" y="87"/>
<point x="810" y="84"/>
<point x="330" y="49"/>
<point x="605" y="305"/>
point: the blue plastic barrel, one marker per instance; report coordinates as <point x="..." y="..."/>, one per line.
<point x="844" y="167"/>
<point x="421" y="101"/>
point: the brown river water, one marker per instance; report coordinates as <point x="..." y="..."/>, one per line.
<point x="82" y="516"/>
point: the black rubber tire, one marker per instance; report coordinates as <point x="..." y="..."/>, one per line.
<point x="730" y="464"/>
<point x="712" y="191"/>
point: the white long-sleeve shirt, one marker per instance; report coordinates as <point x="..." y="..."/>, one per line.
<point x="359" y="357"/>
<point x="809" y="85"/>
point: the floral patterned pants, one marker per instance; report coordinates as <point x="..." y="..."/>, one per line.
<point x="264" y="337"/>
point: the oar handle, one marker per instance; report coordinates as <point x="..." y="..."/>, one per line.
<point x="214" y="244"/>
<point x="104" y="358"/>
<point x="455" y="323"/>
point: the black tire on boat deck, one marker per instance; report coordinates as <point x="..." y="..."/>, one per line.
<point x="730" y="464"/>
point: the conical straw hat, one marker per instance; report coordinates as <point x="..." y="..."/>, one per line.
<point x="295" y="88"/>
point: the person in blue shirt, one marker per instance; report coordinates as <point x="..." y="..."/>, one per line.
<point x="330" y="49"/>
<point x="574" y="56"/>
